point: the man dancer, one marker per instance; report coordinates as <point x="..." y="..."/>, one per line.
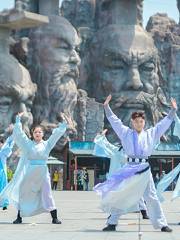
<point x="138" y="145"/>
<point x="118" y="159"/>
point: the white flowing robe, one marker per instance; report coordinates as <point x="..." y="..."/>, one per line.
<point x="30" y="189"/>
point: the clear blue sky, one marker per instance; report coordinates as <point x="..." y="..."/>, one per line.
<point x="150" y="7"/>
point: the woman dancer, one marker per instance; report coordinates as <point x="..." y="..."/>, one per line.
<point x="30" y="189"/>
<point x="5" y="152"/>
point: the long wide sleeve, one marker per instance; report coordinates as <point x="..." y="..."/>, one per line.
<point x="19" y="135"/>
<point x="117" y="125"/>
<point x="161" y="127"/>
<point x="177" y="126"/>
<point x="102" y="142"/>
<point x="166" y="181"/>
<point x="56" y="135"/>
<point x="6" y="149"/>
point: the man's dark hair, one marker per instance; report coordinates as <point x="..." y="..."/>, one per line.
<point x="135" y="115"/>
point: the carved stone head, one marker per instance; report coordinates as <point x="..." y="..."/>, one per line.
<point x="54" y="67"/>
<point x="124" y="62"/>
<point x="17" y="91"/>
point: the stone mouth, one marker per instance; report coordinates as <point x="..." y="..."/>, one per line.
<point x="73" y="73"/>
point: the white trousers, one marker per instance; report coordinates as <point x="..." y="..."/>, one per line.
<point x="142" y="205"/>
<point x="35" y="195"/>
<point x="153" y="205"/>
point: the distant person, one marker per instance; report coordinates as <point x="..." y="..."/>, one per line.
<point x="86" y="180"/>
<point x="9" y="174"/>
<point x="162" y="174"/>
<point x="55" y="180"/>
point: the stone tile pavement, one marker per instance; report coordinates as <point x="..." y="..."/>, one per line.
<point x="83" y="220"/>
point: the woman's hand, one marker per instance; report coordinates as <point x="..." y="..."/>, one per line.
<point x="66" y="119"/>
<point x="20" y="114"/>
<point x="104" y="132"/>
<point x="108" y="99"/>
<point x="10" y="128"/>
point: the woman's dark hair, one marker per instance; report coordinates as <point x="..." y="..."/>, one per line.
<point x="34" y="127"/>
<point x="135" y="115"/>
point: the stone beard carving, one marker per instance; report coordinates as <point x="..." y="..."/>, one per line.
<point x="125" y="63"/>
<point x="54" y="68"/>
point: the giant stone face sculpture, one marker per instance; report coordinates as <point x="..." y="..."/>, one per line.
<point x="54" y="67"/>
<point x="16" y="88"/>
<point x="18" y="92"/>
<point x="124" y="62"/>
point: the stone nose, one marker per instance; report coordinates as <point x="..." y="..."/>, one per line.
<point x="23" y="108"/>
<point x="134" y="81"/>
<point x="74" y="58"/>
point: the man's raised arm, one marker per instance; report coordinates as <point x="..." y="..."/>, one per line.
<point x="162" y="126"/>
<point x="119" y="128"/>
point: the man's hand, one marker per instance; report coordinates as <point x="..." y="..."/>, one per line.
<point x="173" y="103"/>
<point x="108" y="99"/>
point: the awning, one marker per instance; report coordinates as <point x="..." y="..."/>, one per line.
<point x="81" y="148"/>
<point x="165" y="153"/>
<point x="54" y="161"/>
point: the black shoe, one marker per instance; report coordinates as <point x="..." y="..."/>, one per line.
<point x="179" y="223"/>
<point x="166" y="229"/>
<point x="4" y="208"/>
<point x="18" y="220"/>
<point x="55" y="220"/>
<point x="110" y="228"/>
<point x="144" y="214"/>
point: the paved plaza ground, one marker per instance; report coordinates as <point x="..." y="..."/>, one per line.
<point x="83" y="220"/>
